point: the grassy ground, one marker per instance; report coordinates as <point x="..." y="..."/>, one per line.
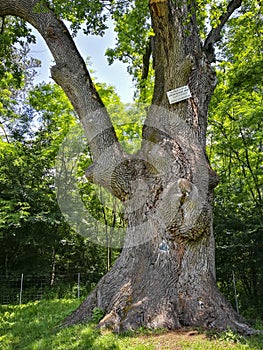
<point x="36" y="326"/>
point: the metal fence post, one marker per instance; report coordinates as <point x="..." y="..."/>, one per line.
<point x="78" y="285"/>
<point x="21" y="289"/>
<point x="235" y="290"/>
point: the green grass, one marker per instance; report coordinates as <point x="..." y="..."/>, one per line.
<point x="36" y="326"/>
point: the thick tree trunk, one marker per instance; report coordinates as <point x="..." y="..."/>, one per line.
<point x="165" y="275"/>
<point x="160" y="289"/>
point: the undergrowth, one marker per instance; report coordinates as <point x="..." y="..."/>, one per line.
<point x="37" y="326"/>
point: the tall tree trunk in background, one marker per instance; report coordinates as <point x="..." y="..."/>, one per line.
<point x="165" y="275"/>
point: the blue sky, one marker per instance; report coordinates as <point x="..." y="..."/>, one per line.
<point x="94" y="47"/>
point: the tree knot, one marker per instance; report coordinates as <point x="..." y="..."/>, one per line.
<point x="51" y="33"/>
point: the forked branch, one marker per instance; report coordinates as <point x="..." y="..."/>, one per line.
<point x="215" y="33"/>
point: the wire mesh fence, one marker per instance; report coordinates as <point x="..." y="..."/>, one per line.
<point x="23" y="288"/>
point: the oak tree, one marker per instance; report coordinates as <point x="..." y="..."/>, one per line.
<point x="165" y="275"/>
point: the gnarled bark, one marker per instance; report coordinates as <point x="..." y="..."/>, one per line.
<point x="165" y="275"/>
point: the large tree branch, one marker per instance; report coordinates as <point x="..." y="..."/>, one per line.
<point x="146" y="59"/>
<point x="215" y="34"/>
<point x="71" y="73"/>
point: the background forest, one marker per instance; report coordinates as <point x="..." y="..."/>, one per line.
<point x="35" y="238"/>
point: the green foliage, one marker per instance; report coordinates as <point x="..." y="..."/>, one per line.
<point x="14" y="39"/>
<point x="227" y="336"/>
<point x="230" y="336"/>
<point x="32" y="226"/>
<point x="34" y="127"/>
<point x="132" y="25"/>
<point x="78" y="12"/>
<point x="235" y="148"/>
<point x="97" y="314"/>
<point x="133" y="30"/>
<point x="127" y="119"/>
<point x="128" y="125"/>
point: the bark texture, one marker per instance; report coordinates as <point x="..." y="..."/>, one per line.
<point x="165" y="276"/>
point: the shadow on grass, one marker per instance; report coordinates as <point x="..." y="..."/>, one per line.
<point x="255" y="342"/>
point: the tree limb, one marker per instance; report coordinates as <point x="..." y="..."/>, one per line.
<point x="2" y="25"/>
<point x="146" y="59"/>
<point x="215" y="34"/>
<point x="70" y="72"/>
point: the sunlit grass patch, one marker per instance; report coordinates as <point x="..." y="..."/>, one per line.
<point x="20" y="325"/>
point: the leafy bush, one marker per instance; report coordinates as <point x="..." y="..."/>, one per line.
<point x="98" y="314"/>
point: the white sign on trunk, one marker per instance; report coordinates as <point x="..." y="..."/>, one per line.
<point x="180" y="94"/>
